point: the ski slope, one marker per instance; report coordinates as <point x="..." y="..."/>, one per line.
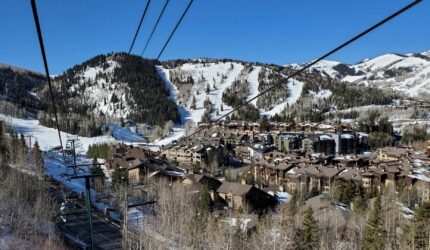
<point x="295" y="91"/>
<point x="48" y="137"/>
<point x="253" y="84"/>
<point x="219" y="76"/>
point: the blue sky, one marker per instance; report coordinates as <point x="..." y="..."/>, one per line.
<point x="271" y="31"/>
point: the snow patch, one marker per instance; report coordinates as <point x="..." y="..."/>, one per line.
<point x="295" y="91"/>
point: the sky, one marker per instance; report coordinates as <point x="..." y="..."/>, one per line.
<point x="269" y="31"/>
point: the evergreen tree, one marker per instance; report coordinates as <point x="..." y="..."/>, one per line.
<point x="249" y="178"/>
<point x="14" y="148"/>
<point x="114" y="98"/>
<point x="22" y="140"/>
<point x="38" y="158"/>
<point x="264" y="123"/>
<point x="309" y="237"/>
<point x="421" y="228"/>
<point x="119" y="176"/>
<point x="98" y="182"/>
<point x="204" y="205"/>
<point x="193" y="103"/>
<point x="3" y="147"/>
<point x="293" y="204"/>
<point x="360" y="201"/>
<point x="374" y="234"/>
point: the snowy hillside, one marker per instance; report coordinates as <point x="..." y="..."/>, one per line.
<point x="48" y="137"/>
<point x="426" y="53"/>
<point x="109" y="88"/>
<point x="324" y="68"/>
<point x="218" y="76"/>
<point x="102" y="93"/>
<point x="408" y="74"/>
<point x="195" y="82"/>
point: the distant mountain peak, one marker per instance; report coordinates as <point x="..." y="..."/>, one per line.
<point x="17" y="69"/>
<point x="405" y="73"/>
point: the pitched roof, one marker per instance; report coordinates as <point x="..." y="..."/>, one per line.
<point x="195" y="177"/>
<point x="234" y="188"/>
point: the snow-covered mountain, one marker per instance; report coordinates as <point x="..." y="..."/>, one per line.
<point x="408" y="74"/>
<point x="225" y="84"/>
<point x="113" y="86"/>
<point x="119" y="85"/>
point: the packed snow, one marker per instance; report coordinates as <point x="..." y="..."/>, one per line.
<point x="99" y="91"/>
<point x="295" y="91"/>
<point x="219" y="76"/>
<point x="253" y="84"/>
<point x="326" y="68"/>
<point x="321" y="94"/>
<point x="378" y="62"/>
<point x="47" y="137"/>
<point x="125" y="134"/>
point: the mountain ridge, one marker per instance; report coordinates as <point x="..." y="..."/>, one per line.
<point x="120" y="86"/>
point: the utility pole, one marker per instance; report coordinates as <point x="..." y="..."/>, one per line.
<point x="87" y="193"/>
<point x="73" y="148"/>
<point x="88" y="204"/>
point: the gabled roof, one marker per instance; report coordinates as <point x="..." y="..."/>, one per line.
<point x="396" y="152"/>
<point x="194" y="177"/>
<point x="234" y="188"/>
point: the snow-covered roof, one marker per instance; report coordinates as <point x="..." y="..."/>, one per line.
<point x="325" y="137"/>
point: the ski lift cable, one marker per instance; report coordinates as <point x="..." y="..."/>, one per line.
<point x="45" y="63"/>
<point x="131" y="48"/>
<point x="174" y="30"/>
<point x="155" y="26"/>
<point x="138" y="27"/>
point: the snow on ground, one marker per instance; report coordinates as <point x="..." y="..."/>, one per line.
<point x="219" y="75"/>
<point x="378" y="62"/>
<point x="321" y="94"/>
<point x="175" y="135"/>
<point x="207" y="74"/>
<point x="326" y="68"/>
<point x="323" y="67"/>
<point x="55" y="168"/>
<point x="353" y="78"/>
<point x="34" y="95"/>
<point x="101" y="90"/>
<point x="47" y="137"/>
<point x="184" y="113"/>
<point x="295" y="91"/>
<point x="125" y="134"/>
<point x="365" y="108"/>
<point x="418" y="83"/>
<point x="216" y="97"/>
<point x="414" y="62"/>
<point x="401" y="124"/>
<point x="253" y="84"/>
<point x="91" y="72"/>
<point x="243" y="222"/>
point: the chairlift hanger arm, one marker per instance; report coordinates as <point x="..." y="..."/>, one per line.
<point x="86" y="176"/>
<point x="86" y="165"/>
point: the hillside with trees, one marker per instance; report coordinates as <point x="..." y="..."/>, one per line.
<point x="16" y="88"/>
<point x="110" y="87"/>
